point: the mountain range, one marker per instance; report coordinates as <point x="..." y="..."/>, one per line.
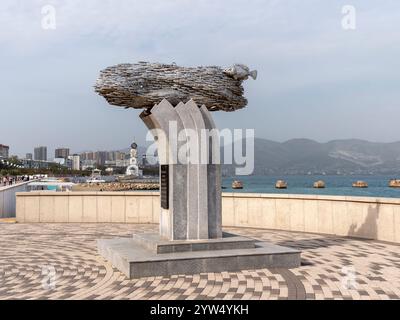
<point x="304" y="156"/>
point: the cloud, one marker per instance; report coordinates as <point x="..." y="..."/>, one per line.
<point x="306" y="61"/>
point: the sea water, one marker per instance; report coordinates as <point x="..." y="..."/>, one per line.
<point x="334" y="185"/>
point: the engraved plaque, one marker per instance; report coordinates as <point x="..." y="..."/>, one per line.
<point x="164" y="186"/>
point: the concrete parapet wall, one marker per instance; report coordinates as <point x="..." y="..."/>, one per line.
<point x="82" y="207"/>
<point x="370" y="218"/>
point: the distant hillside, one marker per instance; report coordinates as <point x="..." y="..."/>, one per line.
<point x="303" y="156"/>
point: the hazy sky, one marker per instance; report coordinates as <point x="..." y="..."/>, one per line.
<point x="316" y="80"/>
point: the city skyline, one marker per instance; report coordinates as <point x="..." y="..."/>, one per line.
<point x="316" y="80"/>
<point x="51" y="153"/>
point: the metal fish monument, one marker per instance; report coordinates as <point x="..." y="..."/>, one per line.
<point x="142" y="85"/>
<point x="177" y="102"/>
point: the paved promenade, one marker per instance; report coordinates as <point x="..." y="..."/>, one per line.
<point x="59" y="261"/>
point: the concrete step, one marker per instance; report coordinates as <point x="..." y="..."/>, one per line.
<point x="136" y="261"/>
<point x="153" y="242"/>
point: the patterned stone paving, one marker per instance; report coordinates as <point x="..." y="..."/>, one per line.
<point x="59" y="261"/>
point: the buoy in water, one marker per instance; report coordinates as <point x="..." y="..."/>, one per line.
<point x="360" y="184"/>
<point x="319" y="184"/>
<point x="281" y="184"/>
<point x="394" y="183"/>
<point x="237" y="184"/>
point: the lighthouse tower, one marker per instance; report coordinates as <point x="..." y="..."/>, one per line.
<point x="133" y="168"/>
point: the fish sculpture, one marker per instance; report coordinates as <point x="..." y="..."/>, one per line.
<point x="240" y="72"/>
<point x="142" y="85"/>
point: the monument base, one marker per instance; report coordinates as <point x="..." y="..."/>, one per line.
<point x="147" y="255"/>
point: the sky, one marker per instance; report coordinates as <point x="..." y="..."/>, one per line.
<point x="316" y="79"/>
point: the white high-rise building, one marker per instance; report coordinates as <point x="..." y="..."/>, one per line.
<point x="76" y="162"/>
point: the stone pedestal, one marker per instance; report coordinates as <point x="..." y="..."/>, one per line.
<point x="191" y="184"/>
<point x="147" y="255"/>
<point x="190" y="238"/>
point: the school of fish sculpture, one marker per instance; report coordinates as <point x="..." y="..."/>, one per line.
<point x="142" y="85"/>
